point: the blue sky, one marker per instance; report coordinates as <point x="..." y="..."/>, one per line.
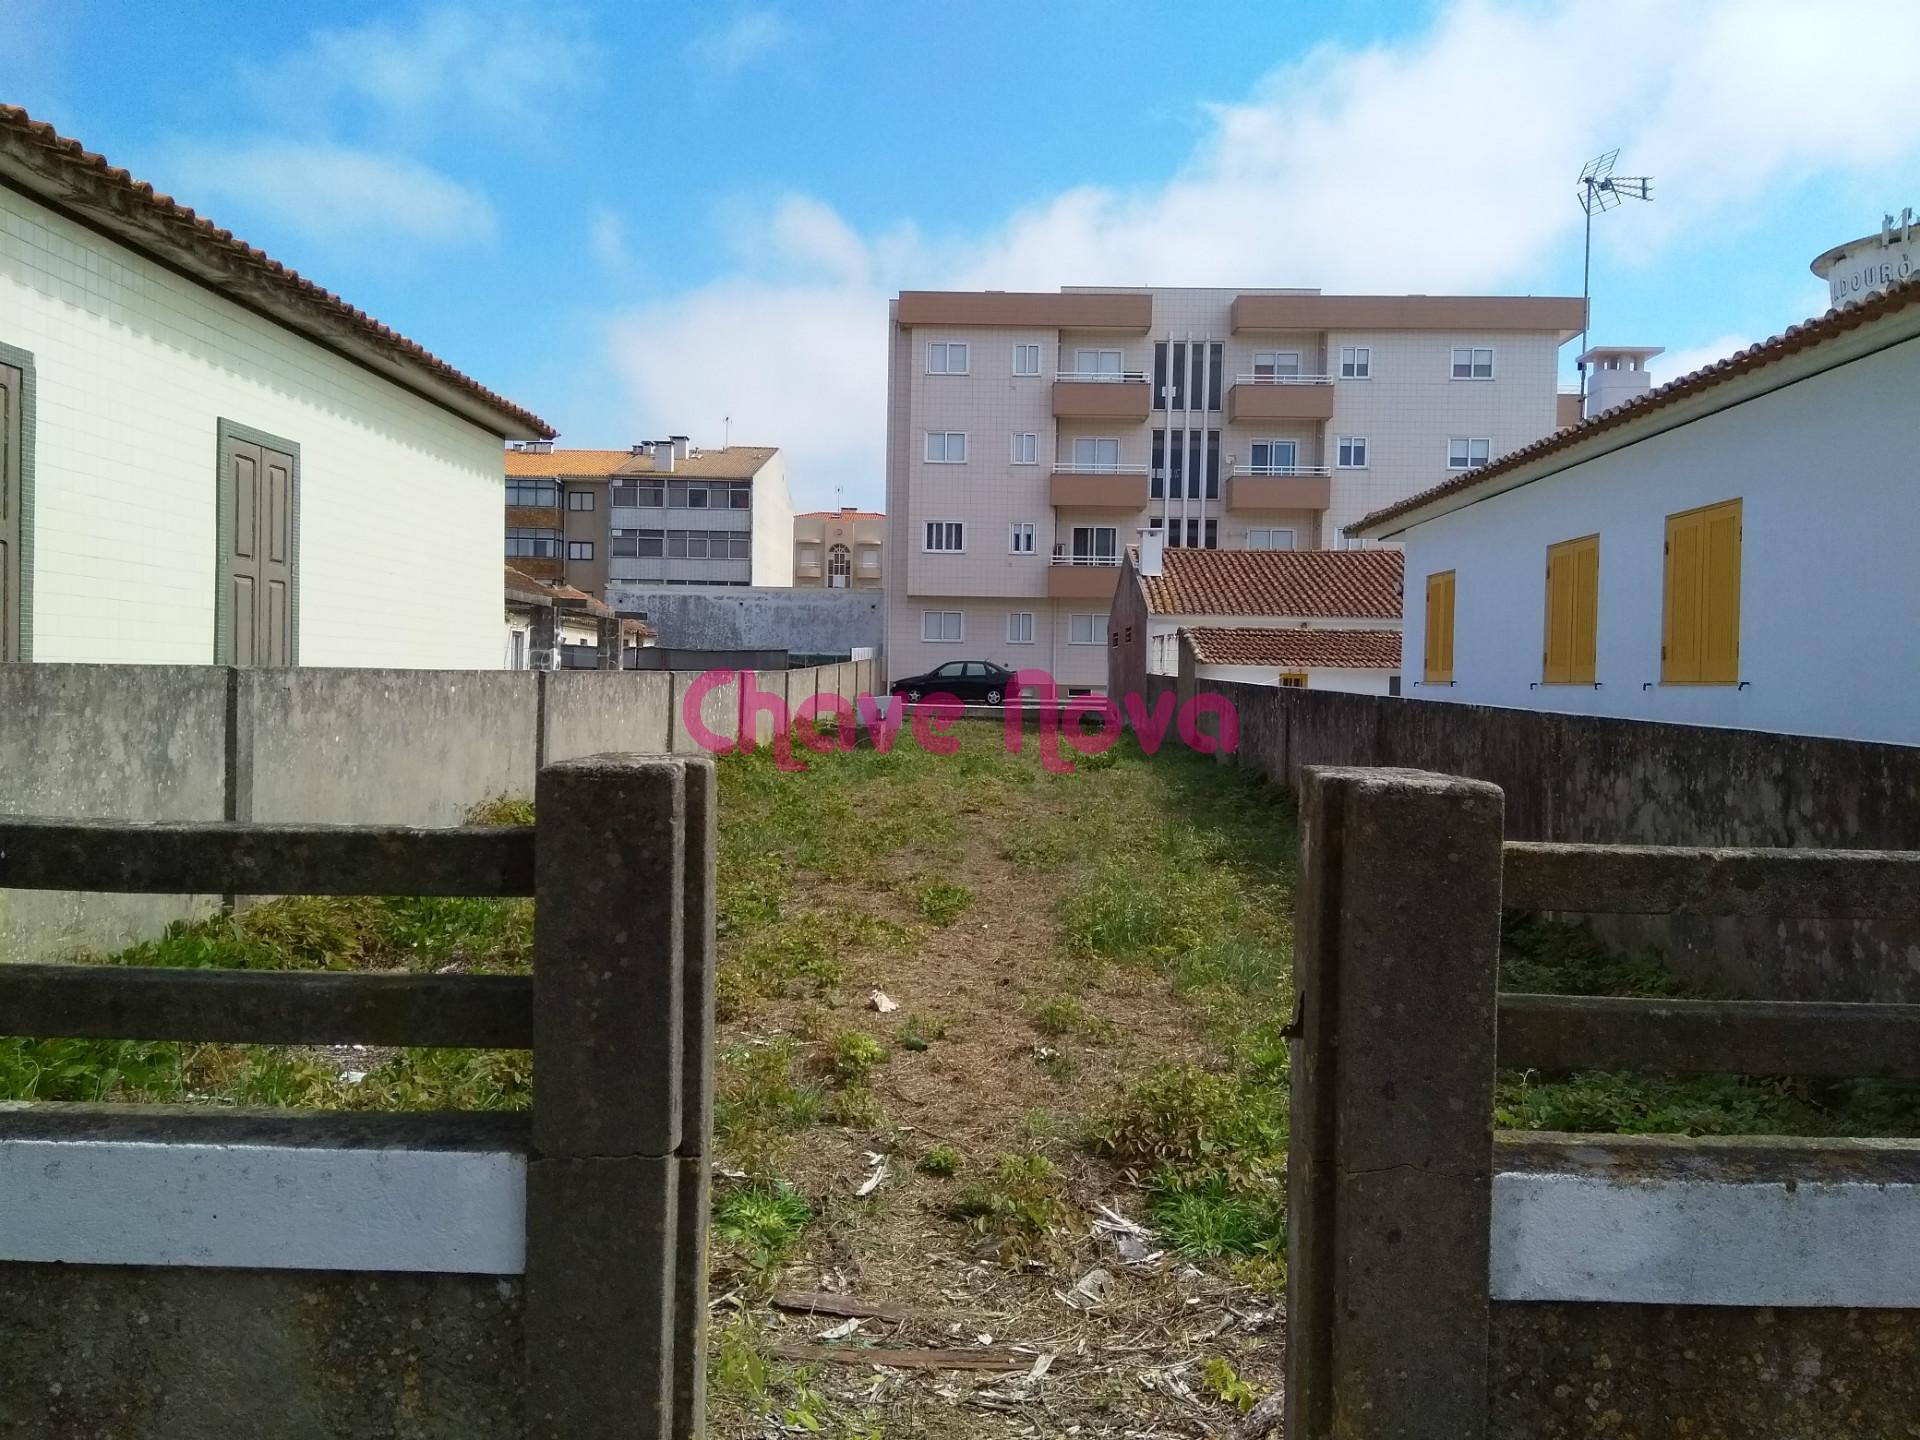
<point x="643" y="218"/>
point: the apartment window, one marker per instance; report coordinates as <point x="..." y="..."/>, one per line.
<point x="946" y="447"/>
<point x="1213" y="464"/>
<point x="653" y="496"/>
<point x="648" y="544"/>
<point x="1104" y="363"/>
<point x="810" y="558"/>
<point x="1573" y="601"/>
<point x="1472" y="364"/>
<point x="870" y="560"/>
<point x="1187" y="376"/>
<point x="1026" y="359"/>
<point x="1193" y="533"/>
<point x="709" y="544"/>
<point x="1273" y="457"/>
<point x="839" y="567"/>
<point x="1439" y="647"/>
<point x="1269" y="539"/>
<point x="1210" y="533"/>
<point x="1275" y="364"/>
<point x="532" y="492"/>
<point x="1026" y="448"/>
<point x="1096" y="545"/>
<point x="1020" y="538"/>
<point x="1463" y="453"/>
<point x="1158" y="467"/>
<point x="947" y="358"/>
<point x="1356" y="362"/>
<point x="942" y="626"/>
<point x="1020" y="627"/>
<point x="946" y="536"/>
<point x="1700" y="625"/>
<point x="740" y="497"/>
<point x="580" y="550"/>
<point x="544" y="544"/>
<point x="1352" y="451"/>
<point x="1293" y="680"/>
<point x="1094" y="453"/>
<point x="1085" y="629"/>
<point x="579" y="499"/>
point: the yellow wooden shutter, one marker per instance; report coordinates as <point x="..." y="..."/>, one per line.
<point x="1700" y="640"/>
<point x="1439" y="649"/>
<point x="1573" y="598"/>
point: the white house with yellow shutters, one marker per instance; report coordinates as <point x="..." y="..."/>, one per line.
<point x="1735" y="548"/>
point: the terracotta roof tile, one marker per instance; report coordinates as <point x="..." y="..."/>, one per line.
<point x="1295" y="649"/>
<point x="85" y="174"/>
<point x="841" y="515"/>
<point x="589" y="464"/>
<point x="735" y="462"/>
<point x="1795" y="338"/>
<point x="1330" y="584"/>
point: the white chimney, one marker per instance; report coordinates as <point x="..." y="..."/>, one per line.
<point x="663" y="455"/>
<point x="1153" y="545"/>
<point x="1615" y="374"/>
<point x="680" y="446"/>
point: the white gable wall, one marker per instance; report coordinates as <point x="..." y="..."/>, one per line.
<point x="400" y="500"/>
<point x="1828" y="469"/>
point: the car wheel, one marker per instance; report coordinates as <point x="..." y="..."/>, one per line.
<point x="993" y="696"/>
<point x="913" y="695"/>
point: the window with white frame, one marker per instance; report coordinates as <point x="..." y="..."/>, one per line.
<point x="579" y="499"/>
<point x="1269" y="539"/>
<point x="1026" y="448"/>
<point x="1273" y="457"/>
<point x="1026" y="359"/>
<point x="579" y="549"/>
<point x="1085" y="629"/>
<point x="1104" y="363"/>
<point x="810" y="558"/>
<point x="1356" y="362"/>
<point x="942" y="626"/>
<point x="1470" y="364"/>
<point x="948" y="357"/>
<point x="870" y="560"/>
<point x="1352" y="452"/>
<point x="1095" y="453"/>
<point x="1275" y="364"/>
<point x="1020" y="627"/>
<point x="946" y="536"/>
<point x="1020" y="538"/>
<point x="1096" y="545"/>
<point x="946" y="447"/>
<point x="1464" y="451"/>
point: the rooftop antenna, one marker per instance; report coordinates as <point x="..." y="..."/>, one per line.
<point x="1601" y="190"/>
<point x="726" y="429"/>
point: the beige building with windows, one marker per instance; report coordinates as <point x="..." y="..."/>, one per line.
<point x="1032" y="437"/>
<point x="663" y="512"/>
<point x="839" y="550"/>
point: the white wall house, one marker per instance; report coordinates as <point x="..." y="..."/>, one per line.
<point x="1357" y="662"/>
<point x="1736" y="548"/>
<point x="208" y="459"/>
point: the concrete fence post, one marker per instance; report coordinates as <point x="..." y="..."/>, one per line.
<point x="693" y="1158"/>
<point x="603" y="1180"/>
<point x="1397" y="942"/>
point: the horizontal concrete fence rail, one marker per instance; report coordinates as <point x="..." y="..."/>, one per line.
<point x="599" y="1196"/>
<point x="1407" y="1221"/>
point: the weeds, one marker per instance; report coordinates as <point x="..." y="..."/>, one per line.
<point x="941" y="1160"/>
<point x="1020" y="1206"/>
<point x="852" y="1055"/>
<point x="942" y="903"/>
<point x="761" y="1222"/>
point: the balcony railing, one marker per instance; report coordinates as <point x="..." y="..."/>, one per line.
<point x="1094" y="467"/>
<point x="1104" y="377"/>
<point x="1281" y="470"/>
<point x="1267" y="379"/>
<point x="1097" y="560"/>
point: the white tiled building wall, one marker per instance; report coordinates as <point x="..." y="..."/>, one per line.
<point x="400" y="500"/>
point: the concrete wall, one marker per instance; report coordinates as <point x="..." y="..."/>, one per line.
<point x="1823" y="469"/>
<point x="311" y="746"/>
<point x="1610" y="781"/>
<point x="136" y="367"/>
<point x="802" y="622"/>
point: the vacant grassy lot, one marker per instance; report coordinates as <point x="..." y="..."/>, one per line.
<point x="977" y="1022"/>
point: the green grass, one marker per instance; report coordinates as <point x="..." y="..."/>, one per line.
<point x="851" y="1057"/>
<point x="941" y="1160"/>
<point x="761" y="1222"/>
<point x="942" y="903"/>
<point x="1021" y="1204"/>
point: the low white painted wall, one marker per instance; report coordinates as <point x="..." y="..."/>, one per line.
<point x="1827" y="472"/>
<point x="1352" y="682"/>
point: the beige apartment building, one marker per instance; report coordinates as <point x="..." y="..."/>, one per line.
<point x="1032" y="436"/>
<point x="839" y="550"/>
<point x="662" y="512"/>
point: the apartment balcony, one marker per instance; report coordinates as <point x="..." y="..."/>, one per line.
<point x="1280" y="397"/>
<point x="533" y="517"/>
<point x="1280" y="487"/>
<point x="1072" y="577"/>
<point x="1115" y="395"/>
<point x="1098" y="487"/>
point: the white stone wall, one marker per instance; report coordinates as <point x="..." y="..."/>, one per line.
<point x="400" y="500"/>
<point x="1352" y="682"/>
<point x="1826" y="471"/>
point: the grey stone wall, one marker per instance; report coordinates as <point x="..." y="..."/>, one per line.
<point x="728" y="617"/>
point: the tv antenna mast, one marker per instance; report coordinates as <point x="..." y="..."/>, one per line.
<point x="1601" y="190"/>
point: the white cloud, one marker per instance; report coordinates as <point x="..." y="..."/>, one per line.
<point x="332" y="193"/>
<point x="1442" y="162"/>
<point x="501" y="64"/>
<point x="748" y="38"/>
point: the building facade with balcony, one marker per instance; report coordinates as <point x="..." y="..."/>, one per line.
<point x="1032" y="437"/>
<point x="839" y="550"/>
<point x="660" y="513"/>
